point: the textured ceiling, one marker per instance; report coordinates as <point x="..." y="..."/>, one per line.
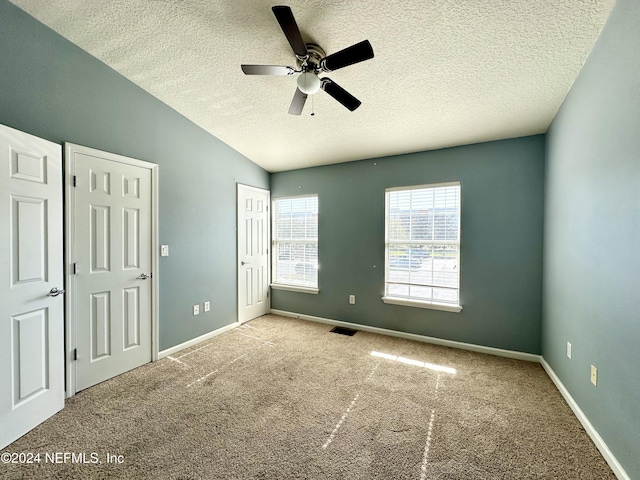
<point x="445" y="72"/>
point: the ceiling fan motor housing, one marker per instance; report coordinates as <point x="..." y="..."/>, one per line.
<point x="312" y="64"/>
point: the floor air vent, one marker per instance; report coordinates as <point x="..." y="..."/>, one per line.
<point x="344" y="331"/>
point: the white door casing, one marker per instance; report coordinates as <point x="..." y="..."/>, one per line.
<point x="31" y="265"/>
<point x="112" y="212"/>
<point x="253" y="252"/>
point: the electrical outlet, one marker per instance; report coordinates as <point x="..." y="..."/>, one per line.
<point x="594" y="376"/>
<point x="568" y="349"/>
<point x="352" y="299"/>
<point x="196" y="309"/>
<point x="207" y="306"/>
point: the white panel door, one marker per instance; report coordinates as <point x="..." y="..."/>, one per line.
<point x="253" y="253"/>
<point x="31" y="320"/>
<point x="111" y="292"/>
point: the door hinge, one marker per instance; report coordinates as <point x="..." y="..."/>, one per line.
<point x="74" y="354"/>
<point x="267" y="293"/>
<point x="75" y="268"/>
<point x="75" y="181"/>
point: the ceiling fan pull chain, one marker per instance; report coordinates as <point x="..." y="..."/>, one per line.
<point x="312" y="113"/>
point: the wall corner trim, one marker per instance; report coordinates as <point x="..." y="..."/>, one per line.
<point x="195" y="341"/>
<point x="530" y="357"/>
<point x="586" y="424"/>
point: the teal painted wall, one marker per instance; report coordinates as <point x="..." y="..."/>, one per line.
<point x="501" y="266"/>
<point x="592" y="237"/>
<point x="52" y="89"/>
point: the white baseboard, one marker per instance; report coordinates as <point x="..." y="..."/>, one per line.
<point x="530" y="357"/>
<point x="194" y="341"/>
<point x="586" y="424"/>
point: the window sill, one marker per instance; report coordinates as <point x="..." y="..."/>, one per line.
<point x="295" y="288"/>
<point x="417" y="303"/>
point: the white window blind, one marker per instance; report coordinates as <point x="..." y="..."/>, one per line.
<point x="422" y="244"/>
<point x="295" y="241"/>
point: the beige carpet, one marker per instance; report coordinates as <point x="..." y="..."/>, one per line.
<point x="281" y="398"/>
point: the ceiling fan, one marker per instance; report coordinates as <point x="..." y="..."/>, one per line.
<point x="312" y="62"/>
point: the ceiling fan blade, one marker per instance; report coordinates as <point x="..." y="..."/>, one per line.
<point x="354" y="54"/>
<point x="288" y="24"/>
<point x="297" y="104"/>
<point x="267" y="70"/>
<point x="340" y="94"/>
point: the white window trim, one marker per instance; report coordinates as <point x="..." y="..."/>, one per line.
<point x="295" y="288"/>
<point x="418" y="187"/>
<point x="288" y="287"/>
<point x="447" y="307"/>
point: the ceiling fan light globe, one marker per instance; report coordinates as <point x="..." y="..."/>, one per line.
<point x="308" y="83"/>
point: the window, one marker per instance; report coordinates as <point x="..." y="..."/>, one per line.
<point x="295" y="243"/>
<point x="422" y="246"/>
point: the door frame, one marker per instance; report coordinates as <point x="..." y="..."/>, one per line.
<point x="268" y="210"/>
<point x="69" y="246"/>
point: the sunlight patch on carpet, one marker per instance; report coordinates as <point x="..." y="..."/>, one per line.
<point x="417" y="363"/>
<point x="353" y="402"/>
<point x="250" y="336"/>
<point x="339" y="424"/>
<point x="216" y="370"/>
<point x="425" y="456"/>
<point x="194" y="351"/>
<point x="177" y="360"/>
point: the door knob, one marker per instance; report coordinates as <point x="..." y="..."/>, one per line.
<point x="54" y="292"/>
<point x="245" y="263"/>
<point x="144" y="276"/>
